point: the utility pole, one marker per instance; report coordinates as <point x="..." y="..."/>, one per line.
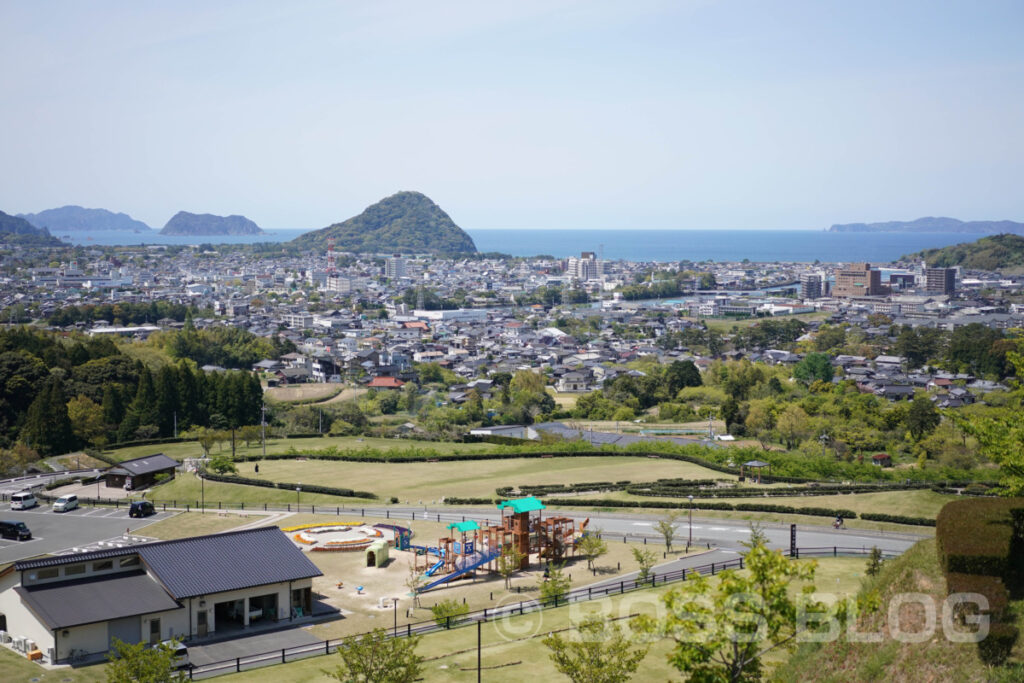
<point x="175" y="424"/>
<point x="263" y="428"/>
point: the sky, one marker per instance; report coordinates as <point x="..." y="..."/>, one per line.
<point x="568" y="114"/>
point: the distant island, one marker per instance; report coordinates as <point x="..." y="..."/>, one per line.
<point x="17" y="230"/>
<point x="406" y="221"/>
<point x="74" y="218"/>
<point x="935" y="224"/>
<point x="988" y="253"/>
<point x="185" y="223"/>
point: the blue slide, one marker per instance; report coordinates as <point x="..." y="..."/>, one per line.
<point x="433" y="569"/>
<point x="483" y="559"/>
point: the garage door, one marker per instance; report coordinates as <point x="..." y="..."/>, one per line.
<point x="128" y="630"/>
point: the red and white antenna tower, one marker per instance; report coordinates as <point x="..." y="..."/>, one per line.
<point x="330" y="256"/>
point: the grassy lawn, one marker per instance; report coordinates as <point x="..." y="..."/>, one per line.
<point x="427" y="482"/>
<point x="186" y="524"/>
<point x="191" y="449"/>
<point x="186" y="488"/>
<point x="14" y="668"/>
<point x="726" y="324"/>
<point x="515" y="643"/>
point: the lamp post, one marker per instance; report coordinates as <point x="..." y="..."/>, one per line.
<point x="394" y="604"/>
<point x="298" y="492"/>
<point x="689" y="541"/>
<point x="202" y="487"/>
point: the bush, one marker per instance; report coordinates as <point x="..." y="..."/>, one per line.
<point x="449" y="612"/>
<point x="897" y="519"/>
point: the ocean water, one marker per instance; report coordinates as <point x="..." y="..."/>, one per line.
<point x="633" y="245"/>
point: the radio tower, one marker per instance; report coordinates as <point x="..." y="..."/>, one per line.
<point x="330" y="256"/>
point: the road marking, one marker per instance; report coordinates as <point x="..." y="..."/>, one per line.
<point x="642" y="524"/>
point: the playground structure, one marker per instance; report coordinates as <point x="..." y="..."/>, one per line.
<point x="350" y="537"/>
<point x="479" y="547"/>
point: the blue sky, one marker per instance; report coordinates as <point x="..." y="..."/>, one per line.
<point x="554" y="114"/>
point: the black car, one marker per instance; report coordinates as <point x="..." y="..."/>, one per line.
<point x="15" y="530"/>
<point x="141" y="508"/>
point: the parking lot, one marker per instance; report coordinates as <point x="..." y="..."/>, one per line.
<point x="82" y="528"/>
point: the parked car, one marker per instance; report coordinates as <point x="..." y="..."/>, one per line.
<point x="65" y="503"/>
<point x="180" y="660"/>
<point x="23" y="500"/>
<point x="141" y="508"/>
<point x="15" y="530"/>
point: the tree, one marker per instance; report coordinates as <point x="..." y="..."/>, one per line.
<point x="14" y="460"/>
<point x="527" y="381"/>
<point x="221" y="464"/>
<point x="601" y="654"/>
<point x="793" y="425"/>
<point x="813" y="367"/>
<point x="139" y="663"/>
<point x="509" y="562"/>
<point x="87" y="420"/>
<point x="874" y="562"/>
<point x="681" y="374"/>
<point x="722" y="630"/>
<point x="666" y="526"/>
<point x="645" y="559"/>
<point x="414" y="581"/>
<point x="591" y="546"/>
<point x="922" y="418"/>
<point x="554" y="586"/>
<point x="376" y="658"/>
<point x="449" y="612"/>
<point x="760" y="422"/>
<point x="47" y="426"/>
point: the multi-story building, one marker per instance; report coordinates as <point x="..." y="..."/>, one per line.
<point x="394" y="268"/>
<point x="584" y="268"/>
<point x="857" y="279"/>
<point x="940" y="280"/>
<point x="810" y="286"/>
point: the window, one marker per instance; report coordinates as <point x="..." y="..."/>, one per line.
<point x="103" y="566"/>
<point x="49" y="573"/>
<point x="132" y="561"/>
<point x="74" y="569"/>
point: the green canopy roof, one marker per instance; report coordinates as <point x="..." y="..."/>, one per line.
<point x="464" y="526"/>
<point x="522" y="504"/>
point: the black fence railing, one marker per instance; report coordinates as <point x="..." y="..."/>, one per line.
<point x="491" y="614"/>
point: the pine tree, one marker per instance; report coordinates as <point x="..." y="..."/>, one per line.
<point x="167" y="400"/>
<point x="47" y="426"/>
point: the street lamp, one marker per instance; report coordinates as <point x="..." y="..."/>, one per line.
<point x="394" y="604"/>
<point x="298" y="492"/>
<point x="202" y="487"/>
<point x="689" y="541"/>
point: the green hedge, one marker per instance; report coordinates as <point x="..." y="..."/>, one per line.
<point x="897" y="519"/>
<point x="974" y="536"/>
<point x="744" y="507"/>
<point x="308" y="488"/>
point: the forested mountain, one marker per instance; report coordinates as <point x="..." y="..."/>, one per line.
<point x="59" y="394"/>
<point x="934" y="224"/>
<point x="185" y="223"/>
<point x="988" y="253"/>
<point x="71" y="218"/>
<point x="406" y="221"/>
<point x="15" y="230"/>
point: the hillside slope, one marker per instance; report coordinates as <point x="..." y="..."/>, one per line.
<point x="988" y="253"/>
<point x="15" y="230"/>
<point x="935" y="659"/>
<point x="185" y="223"/>
<point x="406" y="221"/>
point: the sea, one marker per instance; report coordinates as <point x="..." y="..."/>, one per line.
<point x="764" y="246"/>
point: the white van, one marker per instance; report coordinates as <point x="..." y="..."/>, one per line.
<point x="23" y="501"/>
<point x="180" y="651"/>
<point x="65" y="503"/>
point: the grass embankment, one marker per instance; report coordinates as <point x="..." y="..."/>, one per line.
<point x="186" y="488"/>
<point x="15" y="667"/>
<point x="514" y="645"/>
<point x="935" y="659"/>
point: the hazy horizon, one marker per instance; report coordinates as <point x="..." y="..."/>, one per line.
<point x="565" y="114"/>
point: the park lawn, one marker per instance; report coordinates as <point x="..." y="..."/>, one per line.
<point x="16" y="668"/>
<point x="186" y="524"/>
<point x="515" y="642"/>
<point x="187" y="489"/>
<point x="427" y="483"/>
<point x="726" y="324"/>
<point x="277" y="445"/>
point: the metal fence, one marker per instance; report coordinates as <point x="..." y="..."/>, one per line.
<point x="491" y="614"/>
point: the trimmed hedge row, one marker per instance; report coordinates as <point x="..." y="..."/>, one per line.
<point x="309" y="488"/>
<point x="743" y="507"/>
<point x="897" y="519"/>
